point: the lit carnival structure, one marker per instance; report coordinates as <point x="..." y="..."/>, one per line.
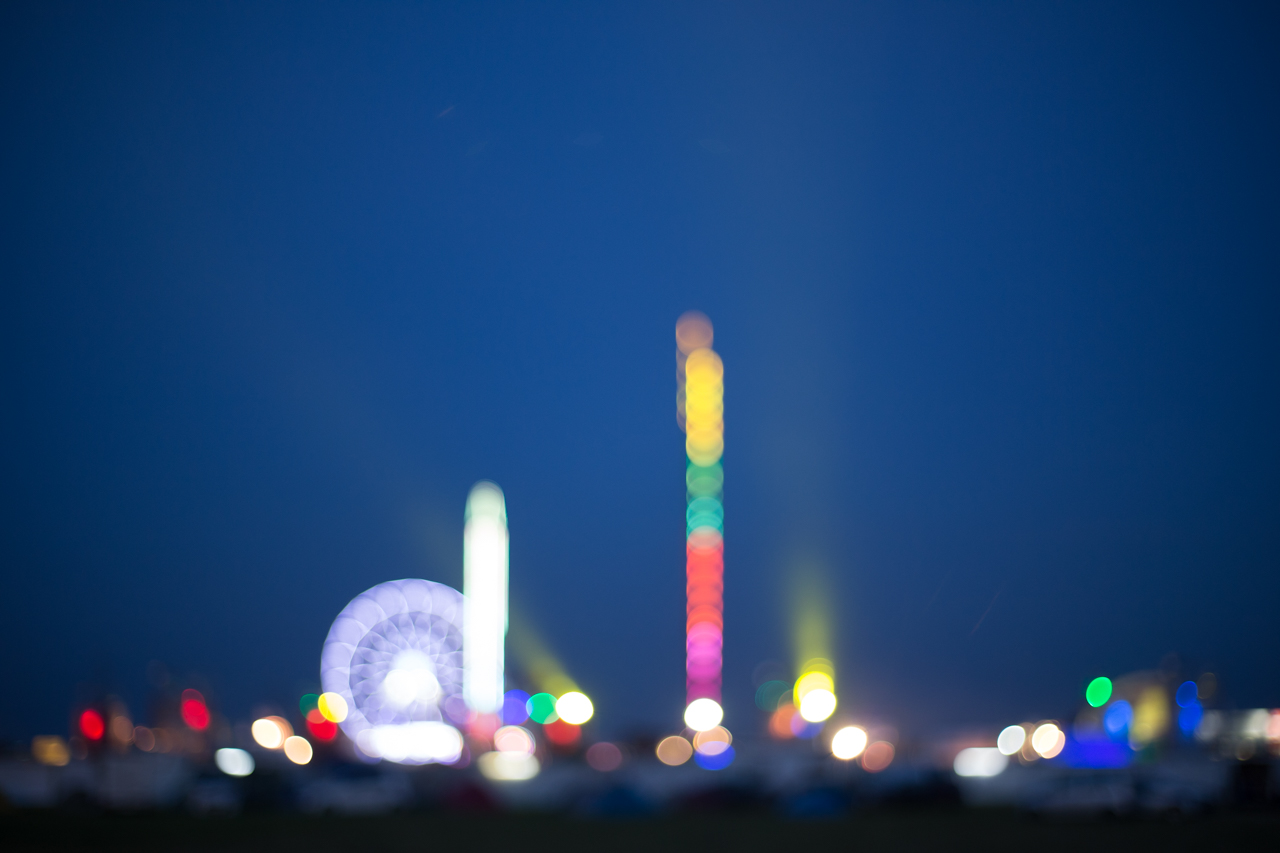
<point x="700" y="412"/>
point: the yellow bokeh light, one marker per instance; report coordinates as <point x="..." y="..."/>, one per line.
<point x="297" y="749"/>
<point x="51" y="750"/>
<point x="813" y="681"/>
<point x="1150" y="717"/>
<point x="674" y="751"/>
<point x="849" y="743"/>
<point x="332" y="707"/>
<point x="574" y="708"/>
<point x="1048" y="740"/>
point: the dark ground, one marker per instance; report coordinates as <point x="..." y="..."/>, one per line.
<point x="943" y="829"/>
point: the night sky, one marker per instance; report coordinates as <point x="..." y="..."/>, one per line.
<point x="996" y="288"/>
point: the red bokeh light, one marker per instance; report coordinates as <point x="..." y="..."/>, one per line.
<point x="320" y="728"/>
<point x="92" y="725"/>
<point x="562" y="734"/>
<point x="195" y="713"/>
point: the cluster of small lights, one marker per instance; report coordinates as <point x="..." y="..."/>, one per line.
<point x="700" y="412"/>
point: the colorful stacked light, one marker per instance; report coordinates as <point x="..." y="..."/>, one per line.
<point x="700" y="411"/>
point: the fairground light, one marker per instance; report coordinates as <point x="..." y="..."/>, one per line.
<point x="700" y="412"/>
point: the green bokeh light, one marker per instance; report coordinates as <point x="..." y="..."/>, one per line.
<point x="769" y="693"/>
<point x="542" y="708"/>
<point x="1098" y="691"/>
<point x="308" y="703"/>
<point x="704" y="481"/>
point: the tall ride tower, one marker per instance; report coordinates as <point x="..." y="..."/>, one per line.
<point x="700" y="412"/>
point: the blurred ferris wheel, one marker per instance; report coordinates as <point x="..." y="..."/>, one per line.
<point x="395" y="655"/>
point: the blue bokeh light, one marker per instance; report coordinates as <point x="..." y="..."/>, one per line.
<point x="1117" y="718"/>
<point x="1186" y="695"/>
<point x="1189" y="717"/>
<point x="718" y="761"/>
<point x="515" y="707"/>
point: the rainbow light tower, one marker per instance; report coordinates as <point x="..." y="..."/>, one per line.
<point x="484" y="579"/>
<point x="700" y="412"/>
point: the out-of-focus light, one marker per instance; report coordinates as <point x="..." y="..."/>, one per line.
<point x="1048" y="740"/>
<point x="1255" y="723"/>
<point x="716" y="761"/>
<point x="271" y="732"/>
<point x="143" y="738"/>
<point x="877" y="756"/>
<point x="50" y="750"/>
<point x="514" y="739"/>
<point x="308" y="703"/>
<point x="321" y="729"/>
<point x="780" y="721"/>
<point x="802" y="728"/>
<point x="980" y="761"/>
<point x="515" y="707"/>
<point x="817" y="705"/>
<point x="195" y="713"/>
<point x="508" y="766"/>
<point x="483" y="726"/>
<point x="712" y="741"/>
<point x="1210" y="727"/>
<point x="421" y="742"/>
<point x="1150" y="717"/>
<point x="769" y="694"/>
<point x="1189" y="717"/>
<point x="811" y="681"/>
<point x="604" y="757"/>
<point x="574" y="708"/>
<point x="92" y="725"/>
<point x="848" y="743"/>
<point x="1206" y="686"/>
<point x="1011" y="740"/>
<point x="542" y="708"/>
<point x="297" y="749"/>
<point x="236" y="762"/>
<point x="394" y="655"/>
<point x="1117" y="718"/>
<point x="700" y="413"/>
<point x="484" y="625"/>
<point x="562" y="733"/>
<point x="674" y="751"/>
<point x="703" y="714"/>
<point x="1098" y="691"/>
<point x="332" y="706"/>
<point x="1186" y="694"/>
<point x="411" y="679"/>
<point x="121" y="729"/>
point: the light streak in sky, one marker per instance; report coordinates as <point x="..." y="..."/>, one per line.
<point x="484" y="623"/>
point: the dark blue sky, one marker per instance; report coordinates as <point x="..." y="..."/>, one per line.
<point x="995" y="286"/>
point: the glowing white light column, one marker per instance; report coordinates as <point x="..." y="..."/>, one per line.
<point x="484" y="578"/>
